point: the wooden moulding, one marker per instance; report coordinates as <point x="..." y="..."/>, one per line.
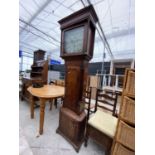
<point x="121" y="150"/>
<point x="127" y="112"/>
<point x="126" y="135"/>
<point x="130" y="84"/>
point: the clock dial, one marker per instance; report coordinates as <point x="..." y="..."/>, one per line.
<point x="73" y="40"/>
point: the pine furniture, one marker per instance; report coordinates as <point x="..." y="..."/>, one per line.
<point x="47" y="92"/>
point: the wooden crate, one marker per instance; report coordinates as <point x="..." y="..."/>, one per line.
<point x="126" y="135"/>
<point x="127" y="111"/>
<point x="130" y="84"/>
<point x="121" y="150"/>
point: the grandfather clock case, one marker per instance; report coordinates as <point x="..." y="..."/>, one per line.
<point x="77" y="44"/>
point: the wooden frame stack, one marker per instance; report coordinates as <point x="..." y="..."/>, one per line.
<point x="124" y="140"/>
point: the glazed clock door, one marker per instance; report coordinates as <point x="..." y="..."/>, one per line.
<point x="73" y="40"/>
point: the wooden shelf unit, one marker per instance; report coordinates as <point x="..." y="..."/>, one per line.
<point x="124" y="140"/>
<point x="38" y="74"/>
<point x="40" y="69"/>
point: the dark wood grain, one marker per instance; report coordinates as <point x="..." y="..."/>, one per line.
<point x="72" y="116"/>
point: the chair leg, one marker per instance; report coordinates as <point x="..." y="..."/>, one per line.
<point x="86" y="141"/>
<point x="88" y="113"/>
<point x="115" y="105"/>
<point x="55" y="102"/>
<point x="86" y="137"/>
<point x="51" y="103"/>
<point x="62" y="99"/>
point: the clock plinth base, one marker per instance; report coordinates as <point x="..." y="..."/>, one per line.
<point x="72" y="127"/>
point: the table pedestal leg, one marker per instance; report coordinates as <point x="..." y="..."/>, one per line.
<point x="32" y="106"/>
<point x="42" y="109"/>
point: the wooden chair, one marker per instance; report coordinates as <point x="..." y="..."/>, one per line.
<point x="59" y="83"/>
<point x="106" y="100"/>
<point x="101" y="127"/>
<point x="51" y="101"/>
<point x="87" y="100"/>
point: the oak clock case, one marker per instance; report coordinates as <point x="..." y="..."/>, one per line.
<point x="77" y="43"/>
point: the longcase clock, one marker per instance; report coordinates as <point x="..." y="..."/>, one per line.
<point x="77" y="44"/>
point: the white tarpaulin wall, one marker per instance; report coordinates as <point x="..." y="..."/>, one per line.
<point x="39" y="28"/>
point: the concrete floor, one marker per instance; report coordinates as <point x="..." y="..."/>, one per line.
<point x="49" y="143"/>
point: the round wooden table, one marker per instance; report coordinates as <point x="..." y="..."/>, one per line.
<point x="44" y="93"/>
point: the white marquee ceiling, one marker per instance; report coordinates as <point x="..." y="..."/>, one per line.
<point x="39" y="28"/>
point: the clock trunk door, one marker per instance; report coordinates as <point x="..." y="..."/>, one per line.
<point x="73" y="89"/>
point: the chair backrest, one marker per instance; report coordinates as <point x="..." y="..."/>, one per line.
<point x="94" y="83"/>
<point x="60" y="82"/>
<point x="86" y="99"/>
<point x="106" y="100"/>
<point x="52" y="82"/>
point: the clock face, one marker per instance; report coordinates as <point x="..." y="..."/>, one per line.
<point x="73" y="40"/>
